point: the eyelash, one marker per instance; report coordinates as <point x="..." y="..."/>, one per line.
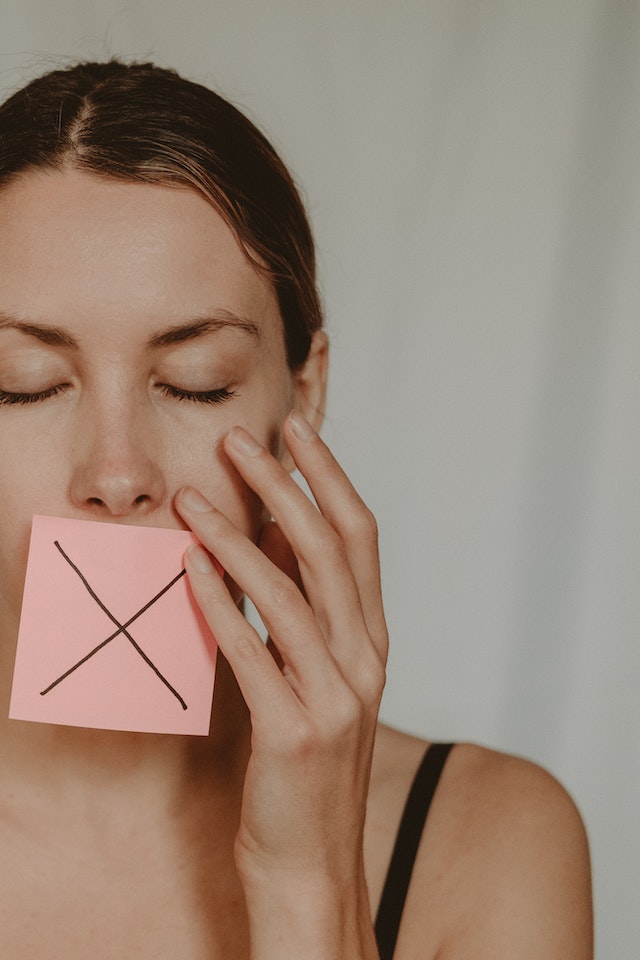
<point x="24" y="398"/>
<point x="197" y="396"/>
<point x="175" y="393"/>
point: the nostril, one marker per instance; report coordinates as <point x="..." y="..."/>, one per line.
<point x="98" y="502"/>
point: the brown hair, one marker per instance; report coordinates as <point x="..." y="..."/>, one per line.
<point x="141" y="122"/>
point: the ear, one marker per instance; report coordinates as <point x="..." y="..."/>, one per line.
<point x="310" y="385"/>
<point x="310" y="381"/>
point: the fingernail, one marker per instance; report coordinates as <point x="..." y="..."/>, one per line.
<point x="243" y="442"/>
<point x="194" y="500"/>
<point x="199" y="559"/>
<point x="301" y="426"/>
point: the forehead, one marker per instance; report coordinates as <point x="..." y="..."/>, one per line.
<point x="74" y="245"/>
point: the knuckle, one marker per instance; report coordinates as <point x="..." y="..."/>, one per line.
<point x="246" y="645"/>
<point x="283" y="594"/>
<point x="361" y="525"/>
<point x="300" y="739"/>
<point x="373" y="680"/>
<point x="329" y="545"/>
<point x="380" y="639"/>
<point x="346" y="715"/>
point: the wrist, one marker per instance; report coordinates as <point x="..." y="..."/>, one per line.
<point x="310" y="915"/>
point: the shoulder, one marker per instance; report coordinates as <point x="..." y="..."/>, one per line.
<point x="503" y="867"/>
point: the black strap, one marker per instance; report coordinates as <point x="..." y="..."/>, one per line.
<point x="405" y="849"/>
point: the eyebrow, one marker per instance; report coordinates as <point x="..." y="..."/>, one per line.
<point x="54" y="336"/>
<point x="179" y="333"/>
<point x="201" y="326"/>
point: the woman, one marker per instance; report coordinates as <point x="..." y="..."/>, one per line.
<point x="162" y="363"/>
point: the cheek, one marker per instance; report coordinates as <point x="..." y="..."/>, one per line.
<point x="33" y="479"/>
<point x="15" y="530"/>
<point x="219" y="481"/>
<point x="243" y="507"/>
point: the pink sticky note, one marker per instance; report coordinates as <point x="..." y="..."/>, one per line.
<point x="110" y="634"/>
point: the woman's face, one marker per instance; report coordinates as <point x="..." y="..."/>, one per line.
<point x="134" y="334"/>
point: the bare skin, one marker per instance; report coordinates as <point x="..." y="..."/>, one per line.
<point x="271" y="837"/>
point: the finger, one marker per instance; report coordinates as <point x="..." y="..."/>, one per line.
<point x="347" y="513"/>
<point x="337" y="554"/>
<point x="308" y="665"/>
<point x="324" y="568"/>
<point x="275" y="546"/>
<point x="354" y="667"/>
<point x="261" y="683"/>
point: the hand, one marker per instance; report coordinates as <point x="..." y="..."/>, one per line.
<point x="315" y="582"/>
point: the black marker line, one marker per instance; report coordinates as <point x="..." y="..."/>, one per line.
<point x="117" y="632"/>
<point x="122" y="628"/>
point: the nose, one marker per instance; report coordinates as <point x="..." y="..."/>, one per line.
<point x="117" y="472"/>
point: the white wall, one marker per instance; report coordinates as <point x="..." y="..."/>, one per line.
<point x="471" y="170"/>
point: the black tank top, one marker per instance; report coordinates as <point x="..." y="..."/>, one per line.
<point x="396" y="885"/>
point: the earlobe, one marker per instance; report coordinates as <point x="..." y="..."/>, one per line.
<point x="310" y="386"/>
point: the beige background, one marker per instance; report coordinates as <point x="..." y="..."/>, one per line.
<point x="472" y="170"/>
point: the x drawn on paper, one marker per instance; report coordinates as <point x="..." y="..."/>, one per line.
<point x="122" y="629"/>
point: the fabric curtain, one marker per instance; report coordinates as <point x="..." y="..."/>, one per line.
<point x="472" y="171"/>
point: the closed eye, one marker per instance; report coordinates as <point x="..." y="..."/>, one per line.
<point x="7" y="396"/>
<point x="197" y="396"/>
